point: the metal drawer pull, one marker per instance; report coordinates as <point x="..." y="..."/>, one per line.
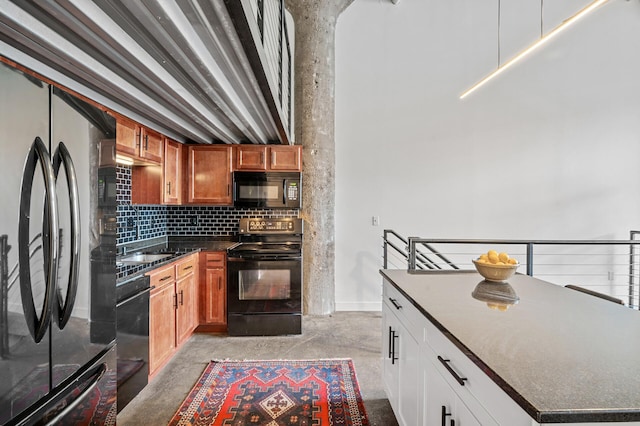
<point x="186" y="268"/>
<point x="395" y="303"/>
<point x="445" y="415"/>
<point x="165" y="278"/>
<point x="455" y="375"/>
<point x="394" y="356"/>
<point x="390" y="342"/>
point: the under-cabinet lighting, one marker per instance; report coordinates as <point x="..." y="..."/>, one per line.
<point x="557" y="30"/>
<point x="121" y="159"/>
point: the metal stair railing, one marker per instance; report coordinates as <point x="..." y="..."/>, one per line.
<point x="604" y="265"/>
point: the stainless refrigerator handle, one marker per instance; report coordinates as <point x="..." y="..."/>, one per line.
<point x="38" y="326"/>
<point x="62" y="157"/>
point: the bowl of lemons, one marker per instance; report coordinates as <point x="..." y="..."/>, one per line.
<point x="494" y="266"/>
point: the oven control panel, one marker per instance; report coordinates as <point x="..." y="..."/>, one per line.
<point x="270" y="225"/>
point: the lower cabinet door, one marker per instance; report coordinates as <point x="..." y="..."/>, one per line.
<point x="162" y="326"/>
<point x="390" y="370"/>
<point x="443" y="406"/>
<point x="186" y="312"/>
<point x="400" y="370"/>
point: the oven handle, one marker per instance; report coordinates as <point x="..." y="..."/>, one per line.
<point x="264" y="257"/>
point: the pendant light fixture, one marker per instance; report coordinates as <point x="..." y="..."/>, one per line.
<point x="543" y="39"/>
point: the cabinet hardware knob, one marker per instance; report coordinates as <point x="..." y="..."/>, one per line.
<point x="455" y="375"/>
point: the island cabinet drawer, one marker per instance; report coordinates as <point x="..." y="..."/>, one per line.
<point x="406" y="312"/>
<point x="186" y="266"/>
<point x="484" y="398"/>
<point x="162" y="276"/>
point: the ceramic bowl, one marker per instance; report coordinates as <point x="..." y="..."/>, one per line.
<point x="493" y="272"/>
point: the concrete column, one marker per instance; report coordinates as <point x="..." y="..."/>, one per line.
<point x="315" y="22"/>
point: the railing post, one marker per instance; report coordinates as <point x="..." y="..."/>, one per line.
<point x="384" y="248"/>
<point x="530" y="259"/>
<point x="411" y="249"/>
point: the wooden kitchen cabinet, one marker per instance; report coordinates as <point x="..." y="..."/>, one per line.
<point x="251" y="157"/>
<point x="162" y="319"/>
<point x="142" y="145"/>
<point x="268" y="157"/>
<point x="151" y="146"/>
<point x="173" y="309"/>
<point x="213" y="291"/>
<point x="208" y="174"/>
<point x="172" y="173"/>
<point x="285" y="158"/>
<point x="187" y="301"/>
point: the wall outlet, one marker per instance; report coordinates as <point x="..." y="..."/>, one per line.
<point x="375" y="220"/>
<point x="193" y="220"/>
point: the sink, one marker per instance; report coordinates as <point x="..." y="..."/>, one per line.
<point x="142" y="258"/>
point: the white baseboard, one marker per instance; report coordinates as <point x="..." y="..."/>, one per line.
<point x="359" y="306"/>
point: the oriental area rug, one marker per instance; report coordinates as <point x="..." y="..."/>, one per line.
<point x="275" y="393"/>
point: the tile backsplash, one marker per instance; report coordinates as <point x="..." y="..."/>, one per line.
<point x="141" y="222"/>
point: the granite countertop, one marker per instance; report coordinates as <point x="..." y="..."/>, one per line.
<point x="562" y="355"/>
<point x="177" y="247"/>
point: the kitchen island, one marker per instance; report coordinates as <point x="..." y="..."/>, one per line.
<point x="537" y="353"/>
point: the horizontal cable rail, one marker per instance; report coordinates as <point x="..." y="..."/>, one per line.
<point x="610" y="267"/>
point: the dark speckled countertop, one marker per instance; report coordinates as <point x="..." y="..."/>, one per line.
<point x="562" y="355"/>
<point x="178" y="248"/>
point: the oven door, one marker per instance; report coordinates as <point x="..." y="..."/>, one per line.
<point x="264" y="296"/>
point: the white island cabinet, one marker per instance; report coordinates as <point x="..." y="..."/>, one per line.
<point x="433" y="376"/>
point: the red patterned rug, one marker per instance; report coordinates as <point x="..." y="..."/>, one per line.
<point x="275" y="393"/>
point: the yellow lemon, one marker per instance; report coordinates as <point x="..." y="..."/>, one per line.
<point x="493" y="257"/>
<point x="504" y="257"/>
<point x="492" y="252"/>
<point x="512" y="261"/>
<point x="483" y="257"/>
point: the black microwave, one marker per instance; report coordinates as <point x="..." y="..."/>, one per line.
<point x="274" y="190"/>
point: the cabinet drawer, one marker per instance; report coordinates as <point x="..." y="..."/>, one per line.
<point x="186" y="267"/>
<point x="479" y="392"/>
<point x="214" y="259"/>
<point x="162" y="276"/>
<point x="408" y="314"/>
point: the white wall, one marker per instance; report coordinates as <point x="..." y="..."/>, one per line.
<point x="549" y="150"/>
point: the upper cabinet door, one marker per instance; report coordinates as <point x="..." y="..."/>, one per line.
<point x="286" y="158"/>
<point x="128" y="137"/>
<point x="209" y="174"/>
<point x="172" y="170"/>
<point x="151" y="147"/>
<point x="142" y="145"/>
<point x="251" y="157"/>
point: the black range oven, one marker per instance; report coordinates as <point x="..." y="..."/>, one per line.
<point x="264" y="278"/>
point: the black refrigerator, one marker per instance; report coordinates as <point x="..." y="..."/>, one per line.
<point x="57" y="263"/>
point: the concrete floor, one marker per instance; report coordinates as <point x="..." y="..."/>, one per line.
<point x="355" y="335"/>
